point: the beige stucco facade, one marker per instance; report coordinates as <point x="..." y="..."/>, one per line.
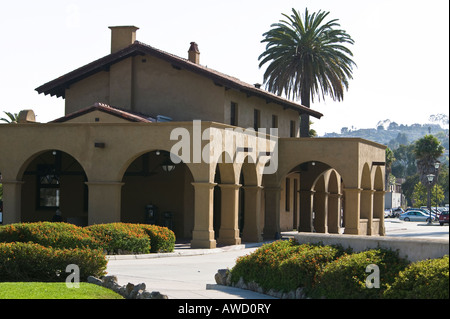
<point x="231" y="184"/>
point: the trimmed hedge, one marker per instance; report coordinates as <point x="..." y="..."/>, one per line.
<point x="34" y="262"/>
<point x="284" y="265"/>
<point x="117" y="237"/>
<point x="331" y="272"/>
<point x="425" y="279"/>
<point x="48" y="234"/>
<point x="345" y="278"/>
<point x="112" y="238"/>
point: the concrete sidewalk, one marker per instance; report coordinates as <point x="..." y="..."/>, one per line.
<point x="184" y="274"/>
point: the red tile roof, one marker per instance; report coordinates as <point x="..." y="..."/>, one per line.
<point x="126" y="115"/>
<point x="58" y="86"/>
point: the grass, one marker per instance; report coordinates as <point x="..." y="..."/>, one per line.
<point x="54" y="290"/>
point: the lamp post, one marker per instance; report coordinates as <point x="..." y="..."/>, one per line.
<point x="430" y="178"/>
<point x="436" y="170"/>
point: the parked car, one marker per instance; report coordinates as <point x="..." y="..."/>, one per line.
<point x="387" y="213"/>
<point x="415" y="215"/>
<point x="443" y="218"/>
<point x="397" y="212"/>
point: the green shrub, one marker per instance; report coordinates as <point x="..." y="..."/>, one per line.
<point x="426" y="279"/>
<point x="48" y="234"/>
<point x="345" y="278"/>
<point x="33" y="262"/>
<point x="283" y="265"/>
<point x="162" y="238"/>
<point x="301" y="269"/>
<point x="114" y="237"/>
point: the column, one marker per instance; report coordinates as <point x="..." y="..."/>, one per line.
<point x="229" y="226"/>
<point x="321" y="212"/>
<point x="306" y="211"/>
<point x="367" y="210"/>
<point x="12" y="197"/>
<point x="334" y="212"/>
<point x="252" y="212"/>
<point x="351" y="211"/>
<point x="378" y="210"/>
<point x="104" y="202"/>
<point x="272" y="212"/>
<point x="203" y="233"/>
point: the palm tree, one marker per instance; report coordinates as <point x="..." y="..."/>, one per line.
<point x="307" y="57"/>
<point x="12" y="118"/>
<point x="427" y="150"/>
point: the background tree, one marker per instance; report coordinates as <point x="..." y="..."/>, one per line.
<point x="307" y="57"/>
<point x="427" y="151"/>
<point x="11" y="117"/>
<point x="419" y="196"/>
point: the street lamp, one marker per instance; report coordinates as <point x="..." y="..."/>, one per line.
<point x="430" y="178"/>
<point x="436" y="170"/>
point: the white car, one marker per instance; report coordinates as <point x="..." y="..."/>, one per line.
<point x="415" y="215"/>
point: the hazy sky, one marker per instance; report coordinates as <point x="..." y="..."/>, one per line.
<point x="401" y="49"/>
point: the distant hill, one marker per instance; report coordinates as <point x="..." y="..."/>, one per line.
<point x="392" y="134"/>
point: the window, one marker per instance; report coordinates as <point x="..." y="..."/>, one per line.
<point x="233" y="113"/>
<point x="256" y="119"/>
<point x="288" y="195"/>
<point x="274" y="121"/>
<point x="48" y="186"/>
<point x="292" y="129"/>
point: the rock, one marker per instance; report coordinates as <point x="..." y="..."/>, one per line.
<point x="299" y="294"/>
<point x="94" y="280"/>
<point x="221" y="276"/>
<point x="158" y="295"/>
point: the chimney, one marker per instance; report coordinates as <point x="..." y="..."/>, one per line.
<point x="122" y="36"/>
<point x="194" y="53"/>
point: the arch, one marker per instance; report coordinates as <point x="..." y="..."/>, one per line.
<point x="53" y="179"/>
<point x="379" y="179"/>
<point x="366" y="182"/>
<point x="149" y="194"/>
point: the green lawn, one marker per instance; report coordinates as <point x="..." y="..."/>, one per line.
<point x="54" y="290"/>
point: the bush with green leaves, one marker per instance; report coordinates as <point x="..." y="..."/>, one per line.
<point x="284" y="265"/>
<point x="113" y="237"/>
<point x="48" y="234"/>
<point x="34" y="262"/>
<point x="345" y="278"/>
<point x="117" y="237"/>
<point x="425" y="279"/>
<point x="162" y="238"/>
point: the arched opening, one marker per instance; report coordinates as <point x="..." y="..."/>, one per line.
<point x="157" y="191"/>
<point x="54" y="180"/>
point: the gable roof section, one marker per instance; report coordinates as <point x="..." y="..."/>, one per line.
<point x="126" y="115"/>
<point x="58" y="86"/>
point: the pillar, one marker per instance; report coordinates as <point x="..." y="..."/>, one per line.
<point x="306" y="211"/>
<point x="367" y="210"/>
<point x="321" y="212"/>
<point x="252" y="212"/>
<point x="272" y="212"/>
<point x="12" y="197"/>
<point x="229" y="225"/>
<point x="203" y="233"/>
<point x="378" y="210"/>
<point x="351" y="210"/>
<point x="334" y="212"/>
<point x="104" y="202"/>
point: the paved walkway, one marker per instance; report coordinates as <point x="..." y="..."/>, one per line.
<point x="184" y="274"/>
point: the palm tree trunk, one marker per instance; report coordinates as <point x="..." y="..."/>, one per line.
<point x="304" y="118"/>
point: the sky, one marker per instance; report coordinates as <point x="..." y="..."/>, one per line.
<point x="401" y="49"/>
